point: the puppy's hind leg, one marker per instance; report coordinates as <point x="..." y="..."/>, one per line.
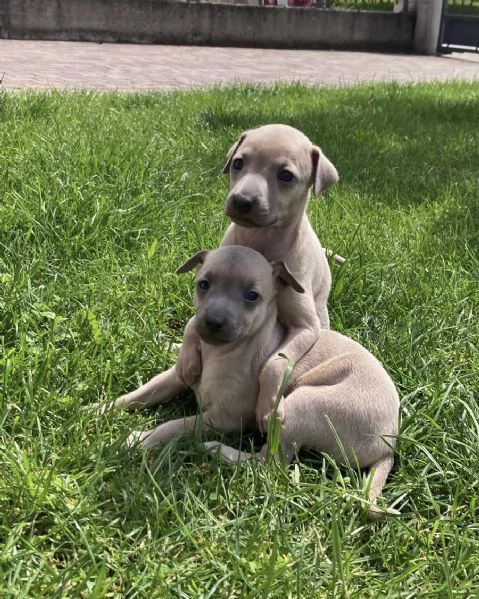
<point x="379" y="473"/>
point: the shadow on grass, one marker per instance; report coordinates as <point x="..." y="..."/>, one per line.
<point x="409" y="142"/>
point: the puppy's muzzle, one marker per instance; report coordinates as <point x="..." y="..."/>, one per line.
<point x="214" y="323"/>
<point x="244" y="204"/>
<point x="215" y="328"/>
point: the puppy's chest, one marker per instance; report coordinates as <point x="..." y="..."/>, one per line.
<point x="226" y="387"/>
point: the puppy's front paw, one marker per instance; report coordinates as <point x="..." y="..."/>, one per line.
<point x="128" y="402"/>
<point x="136" y="438"/>
<point x="99" y="408"/>
<point x="120" y="402"/>
<point x="213" y="447"/>
<point x="263" y="417"/>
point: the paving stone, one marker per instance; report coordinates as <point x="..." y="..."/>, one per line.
<point x="46" y="65"/>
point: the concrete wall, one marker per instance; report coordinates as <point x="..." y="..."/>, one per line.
<point x="165" y="22"/>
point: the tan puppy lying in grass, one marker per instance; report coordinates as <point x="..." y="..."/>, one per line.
<point x="337" y="391"/>
<point x="272" y="170"/>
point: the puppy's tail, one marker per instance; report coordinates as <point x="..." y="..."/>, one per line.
<point x="379" y="473"/>
<point x="336" y="257"/>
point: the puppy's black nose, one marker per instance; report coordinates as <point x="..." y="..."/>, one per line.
<point x="242" y="203"/>
<point x="214" y="323"/>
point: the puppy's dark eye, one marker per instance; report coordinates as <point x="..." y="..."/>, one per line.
<point x="285" y="176"/>
<point x="251" y="296"/>
<point x="237" y="164"/>
<point x="203" y="285"/>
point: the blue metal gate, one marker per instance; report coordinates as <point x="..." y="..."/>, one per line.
<point x="459" y="26"/>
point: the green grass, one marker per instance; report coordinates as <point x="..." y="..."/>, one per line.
<point x="462" y="7"/>
<point x="363" y="4"/>
<point x="101" y="198"/>
<point x="459" y="7"/>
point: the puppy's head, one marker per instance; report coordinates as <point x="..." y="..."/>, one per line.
<point x="235" y="292"/>
<point x="272" y="170"/>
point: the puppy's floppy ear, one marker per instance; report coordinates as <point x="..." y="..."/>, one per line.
<point x="324" y="172"/>
<point x="281" y="273"/>
<point x="198" y="258"/>
<point x="232" y="152"/>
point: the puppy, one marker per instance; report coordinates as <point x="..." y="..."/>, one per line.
<point x="337" y="390"/>
<point x="272" y="171"/>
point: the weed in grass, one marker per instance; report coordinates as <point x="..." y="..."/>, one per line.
<point x="102" y="197"/>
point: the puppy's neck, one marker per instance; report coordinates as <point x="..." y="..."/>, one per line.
<point x="273" y="242"/>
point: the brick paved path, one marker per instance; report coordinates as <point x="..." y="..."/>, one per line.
<point x="68" y="65"/>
